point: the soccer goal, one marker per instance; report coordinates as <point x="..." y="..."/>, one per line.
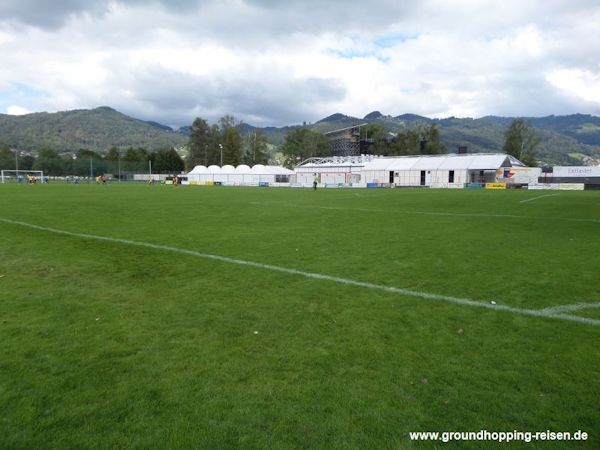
<point x="22" y="176"/>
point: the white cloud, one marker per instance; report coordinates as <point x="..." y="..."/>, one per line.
<point x="17" y="110"/>
<point x="583" y="84"/>
<point x="275" y="63"/>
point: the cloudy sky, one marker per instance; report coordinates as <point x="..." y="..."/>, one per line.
<point x="277" y="62"/>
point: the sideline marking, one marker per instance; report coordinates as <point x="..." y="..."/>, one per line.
<point x="539" y="196"/>
<point x="544" y="313"/>
<point x="425" y="213"/>
<point x="575" y="307"/>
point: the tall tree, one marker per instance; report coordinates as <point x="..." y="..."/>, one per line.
<point x="433" y="144"/>
<point x="255" y="148"/>
<point x="214" y="150"/>
<point x="113" y="161"/>
<point x="226" y="122"/>
<point x="7" y="158"/>
<point x="302" y="143"/>
<point x="201" y="139"/>
<point x="167" y="161"/>
<point x="139" y="154"/>
<point x="405" y="143"/>
<point x="26" y="162"/>
<point x="521" y="142"/>
<point x="85" y="163"/>
<point x="377" y="135"/>
<point x="49" y="161"/>
<point x="113" y="154"/>
<point x="208" y="143"/>
<point x="232" y="146"/>
<point x="230" y="139"/>
<point x="135" y="160"/>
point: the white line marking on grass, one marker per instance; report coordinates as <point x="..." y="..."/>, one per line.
<point x="426" y="213"/>
<point x="318" y="276"/>
<point x="539" y="196"/>
<point x="569" y="308"/>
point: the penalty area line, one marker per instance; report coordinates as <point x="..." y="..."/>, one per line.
<point x="542" y="313"/>
<point x="539" y="196"/>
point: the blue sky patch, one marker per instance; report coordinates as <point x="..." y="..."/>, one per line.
<point x="390" y="40"/>
<point x="20" y="94"/>
<point x="350" y="54"/>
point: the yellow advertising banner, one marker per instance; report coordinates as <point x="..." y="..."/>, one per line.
<point x="495" y="185"/>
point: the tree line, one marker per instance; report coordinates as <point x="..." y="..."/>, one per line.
<point x="520" y="141"/>
<point x="303" y="143"/>
<point x="225" y="143"/>
<point x="90" y="163"/>
<point x="231" y="142"/>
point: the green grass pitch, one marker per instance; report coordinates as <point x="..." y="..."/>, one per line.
<point x="117" y="344"/>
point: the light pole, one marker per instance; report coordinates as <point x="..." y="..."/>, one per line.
<point x="119" y="160"/>
<point x="206" y="155"/>
<point x="221" y="147"/>
<point x="17" y="161"/>
<point x="91" y="169"/>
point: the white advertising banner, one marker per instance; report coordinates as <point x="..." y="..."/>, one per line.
<point x="520" y="175"/>
<point x="557" y="186"/>
<point x="576" y="171"/>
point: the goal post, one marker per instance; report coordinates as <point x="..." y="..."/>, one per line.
<point x="22" y="176"/>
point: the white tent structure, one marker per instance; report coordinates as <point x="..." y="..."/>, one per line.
<point x="331" y="171"/>
<point x="441" y="171"/>
<point x="242" y="175"/>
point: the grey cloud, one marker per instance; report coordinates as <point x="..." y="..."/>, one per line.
<point x="280" y="101"/>
<point x="177" y="98"/>
<point x="529" y="94"/>
<point x="52" y="14"/>
<point x="452" y="52"/>
<point x="331" y="16"/>
<point x="47" y="14"/>
<point x="274" y="17"/>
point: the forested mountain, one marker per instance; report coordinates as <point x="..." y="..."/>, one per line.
<point x="573" y="139"/>
<point x="91" y="129"/>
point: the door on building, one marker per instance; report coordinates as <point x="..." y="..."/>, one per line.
<point x="392" y="177"/>
<point x="423" y="174"/>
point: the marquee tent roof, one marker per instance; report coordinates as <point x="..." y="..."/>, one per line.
<point x="242" y="169"/>
<point x="444" y="162"/>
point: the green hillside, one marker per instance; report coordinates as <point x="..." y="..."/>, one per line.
<point x="573" y="139"/>
<point x="95" y="129"/>
<point x="485" y="134"/>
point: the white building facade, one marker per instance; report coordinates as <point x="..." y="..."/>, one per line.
<point x="242" y="175"/>
<point x="435" y="171"/>
<point x="442" y="171"/>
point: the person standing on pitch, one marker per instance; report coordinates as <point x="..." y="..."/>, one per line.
<point x="315" y="182"/>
